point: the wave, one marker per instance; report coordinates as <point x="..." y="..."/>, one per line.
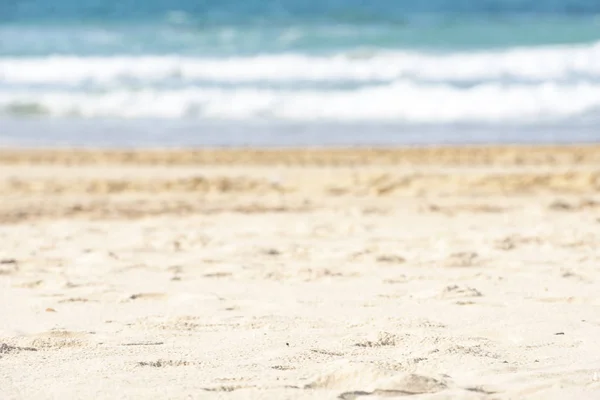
<point x="402" y="101"/>
<point x="519" y="84"/>
<point x="531" y="64"/>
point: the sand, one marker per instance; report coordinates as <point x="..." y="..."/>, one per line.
<point x="462" y="273"/>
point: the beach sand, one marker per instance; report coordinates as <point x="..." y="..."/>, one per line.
<point x="439" y="273"/>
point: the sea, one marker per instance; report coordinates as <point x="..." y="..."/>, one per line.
<point x="182" y="73"/>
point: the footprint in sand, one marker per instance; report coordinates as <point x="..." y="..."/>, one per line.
<point x="459" y="292"/>
<point x="584" y="204"/>
<point x="147" y="296"/>
<point x="8" y="349"/>
<point x="390" y="259"/>
<point x="51" y="340"/>
<point x="75" y="300"/>
<point x="511" y="242"/>
<point x="381" y="339"/>
<point x="463" y="259"/>
<point x="8" y="266"/>
<point x="357" y="380"/>
<point x="165" y="363"/>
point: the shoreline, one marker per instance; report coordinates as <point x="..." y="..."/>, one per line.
<point x="574" y="154"/>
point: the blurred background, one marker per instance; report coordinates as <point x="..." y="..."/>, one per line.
<point x="298" y="72"/>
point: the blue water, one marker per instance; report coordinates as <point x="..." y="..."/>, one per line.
<point x="183" y="72"/>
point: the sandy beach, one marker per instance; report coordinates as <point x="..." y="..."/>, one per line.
<point x="434" y="273"/>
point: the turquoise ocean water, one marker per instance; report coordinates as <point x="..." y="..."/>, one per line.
<point x="228" y="72"/>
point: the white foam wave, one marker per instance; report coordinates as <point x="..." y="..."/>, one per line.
<point x="537" y="64"/>
<point x="400" y="102"/>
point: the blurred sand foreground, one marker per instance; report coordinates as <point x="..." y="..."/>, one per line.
<point x="465" y="273"/>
